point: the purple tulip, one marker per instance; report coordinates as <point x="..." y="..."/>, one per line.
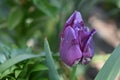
<point x="76" y="44"/>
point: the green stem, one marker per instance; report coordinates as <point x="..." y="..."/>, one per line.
<point x="73" y="74"/>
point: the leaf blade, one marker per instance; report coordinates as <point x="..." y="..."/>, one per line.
<point x="17" y="59"/>
<point x="15" y="17"/>
<point x="50" y="63"/>
<point x="46" y="7"/>
<point x="111" y="67"/>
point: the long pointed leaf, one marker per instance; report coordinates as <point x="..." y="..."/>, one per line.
<point x="50" y="63"/>
<point x="111" y="67"/>
<point x="17" y="59"/>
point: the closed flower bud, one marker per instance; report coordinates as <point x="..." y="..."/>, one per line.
<point x="76" y="44"/>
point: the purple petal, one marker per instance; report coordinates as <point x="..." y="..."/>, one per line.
<point x="88" y="53"/>
<point x="73" y="19"/>
<point x="89" y="49"/>
<point x="73" y="55"/>
<point x="69" y="34"/>
<point x="66" y="40"/>
<point x="83" y="35"/>
<point x="89" y="41"/>
<point x="69" y="49"/>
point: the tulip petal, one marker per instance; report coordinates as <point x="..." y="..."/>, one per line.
<point x="69" y="34"/>
<point x="89" y="49"/>
<point x="66" y="40"/>
<point x="73" y="55"/>
<point x="69" y="49"/>
<point x="73" y="19"/>
<point x="83" y="35"/>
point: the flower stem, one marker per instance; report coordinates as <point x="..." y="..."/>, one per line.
<point x="73" y="74"/>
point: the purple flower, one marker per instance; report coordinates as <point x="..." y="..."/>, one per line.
<point x="76" y="44"/>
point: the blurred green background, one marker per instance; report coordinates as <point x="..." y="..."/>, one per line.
<point x="25" y="23"/>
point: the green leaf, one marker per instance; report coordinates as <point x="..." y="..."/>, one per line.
<point x="15" y="17"/>
<point x="8" y="71"/>
<point x="111" y="68"/>
<point x="45" y="7"/>
<point x="39" y="67"/>
<point x="53" y="74"/>
<point x="56" y="3"/>
<point x="17" y="59"/>
<point x="17" y="72"/>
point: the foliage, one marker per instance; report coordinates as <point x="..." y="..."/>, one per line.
<point x="111" y="67"/>
<point x="25" y="55"/>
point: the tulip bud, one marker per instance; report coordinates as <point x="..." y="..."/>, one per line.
<point x="76" y="44"/>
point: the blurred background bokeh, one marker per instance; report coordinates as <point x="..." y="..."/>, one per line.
<point x="25" y="23"/>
